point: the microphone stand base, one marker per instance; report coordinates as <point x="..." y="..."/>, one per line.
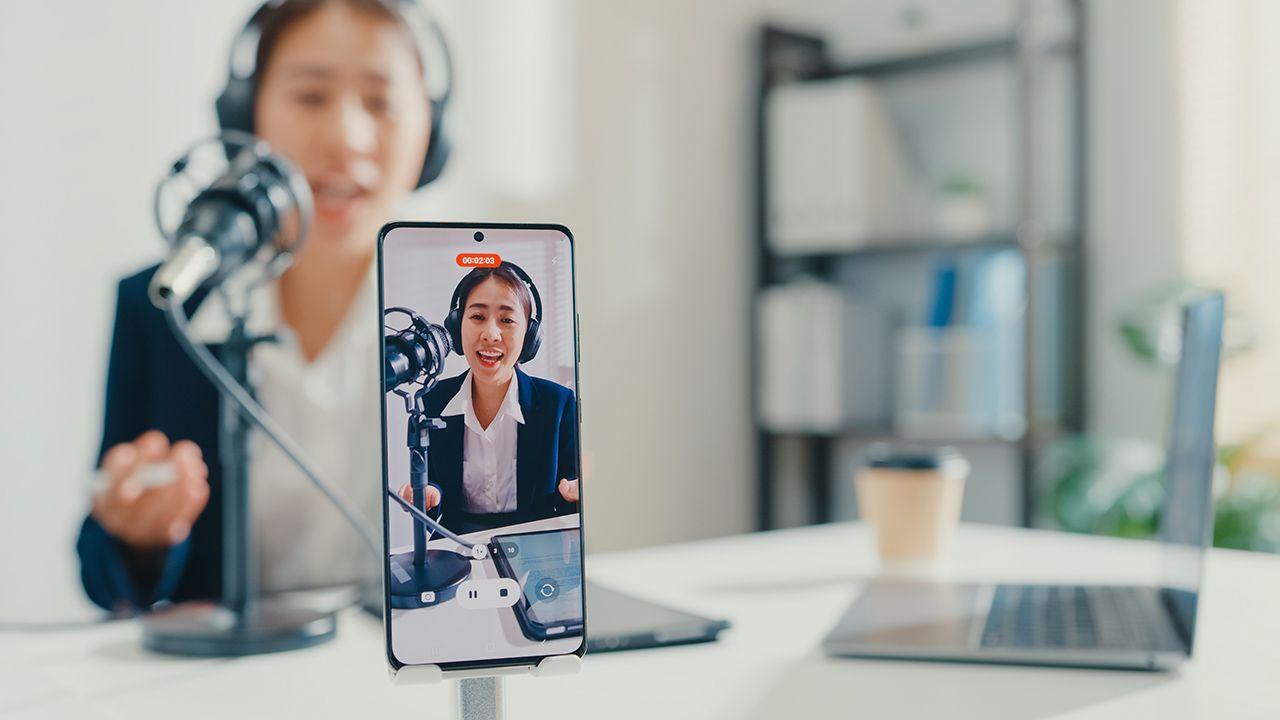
<point x="206" y="629"/>
<point x="434" y="583"/>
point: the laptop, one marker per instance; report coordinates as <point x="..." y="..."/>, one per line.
<point x="1099" y="626"/>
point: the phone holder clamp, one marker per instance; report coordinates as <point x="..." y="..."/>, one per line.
<point x="480" y="693"/>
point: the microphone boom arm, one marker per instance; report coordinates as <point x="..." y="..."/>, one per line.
<point x="228" y="387"/>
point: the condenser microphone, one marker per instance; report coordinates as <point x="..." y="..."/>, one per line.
<point x="414" y="353"/>
<point x="230" y="222"/>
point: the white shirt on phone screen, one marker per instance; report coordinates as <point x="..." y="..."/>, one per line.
<point x="488" y="454"/>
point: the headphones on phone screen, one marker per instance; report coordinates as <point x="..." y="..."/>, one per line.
<point x="234" y="105"/>
<point x="532" y="335"/>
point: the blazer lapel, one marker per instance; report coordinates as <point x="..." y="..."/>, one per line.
<point x="526" y="450"/>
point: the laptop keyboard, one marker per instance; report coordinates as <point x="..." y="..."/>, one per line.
<point x="1068" y="616"/>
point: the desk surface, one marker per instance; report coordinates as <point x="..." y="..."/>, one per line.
<point x="766" y="666"/>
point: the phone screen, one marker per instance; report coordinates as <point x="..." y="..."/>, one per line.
<point x="481" y="444"/>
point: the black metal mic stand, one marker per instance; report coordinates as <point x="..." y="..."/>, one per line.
<point x="424" y="577"/>
<point x="243" y="623"/>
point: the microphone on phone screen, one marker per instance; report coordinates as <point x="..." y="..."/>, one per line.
<point x="415" y="353"/>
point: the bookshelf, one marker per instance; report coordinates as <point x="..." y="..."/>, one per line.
<point x="1054" y="261"/>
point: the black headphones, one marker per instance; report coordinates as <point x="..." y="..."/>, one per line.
<point x="234" y="105"/>
<point x="532" y="336"/>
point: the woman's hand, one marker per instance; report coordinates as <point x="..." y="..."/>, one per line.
<point x="158" y="516"/>
<point x="568" y="489"/>
<point x="433" y="495"/>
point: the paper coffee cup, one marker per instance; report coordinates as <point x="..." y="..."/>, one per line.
<point x="912" y="498"/>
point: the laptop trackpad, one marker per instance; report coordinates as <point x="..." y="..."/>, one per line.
<point x="903" y="613"/>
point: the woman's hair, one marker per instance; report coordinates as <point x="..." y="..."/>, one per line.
<point x="502" y="274"/>
<point x="275" y="20"/>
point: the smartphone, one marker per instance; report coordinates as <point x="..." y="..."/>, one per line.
<point x="546" y="567"/>
<point x="481" y="464"/>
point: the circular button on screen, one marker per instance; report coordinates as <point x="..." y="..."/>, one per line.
<point x="547" y="589"/>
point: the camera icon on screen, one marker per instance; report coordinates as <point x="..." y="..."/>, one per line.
<point x="543" y="589"/>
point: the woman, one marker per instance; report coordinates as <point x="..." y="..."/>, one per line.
<point x="339" y="89"/>
<point x="508" y="453"/>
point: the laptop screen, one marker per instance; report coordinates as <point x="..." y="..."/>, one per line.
<point x="1186" y="524"/>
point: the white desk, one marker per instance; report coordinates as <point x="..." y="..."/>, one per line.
<point x="766" y="666"/>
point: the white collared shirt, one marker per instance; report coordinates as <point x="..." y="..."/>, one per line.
<point x="488" y="454"/>
<point x="330" y="407"/>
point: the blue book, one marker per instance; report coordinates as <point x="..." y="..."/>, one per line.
<point x="944" y="295"/>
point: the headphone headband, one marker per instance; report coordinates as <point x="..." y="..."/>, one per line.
<point x="528" y="281"/>
<point x="455" y="302"/>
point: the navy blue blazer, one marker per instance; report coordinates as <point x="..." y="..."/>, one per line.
<point x="546" y="452"/>
<point x="152" y="384"/>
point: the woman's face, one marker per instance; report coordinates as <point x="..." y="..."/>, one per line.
<point x="493" y="327"/>
<point x="342" y="96"/>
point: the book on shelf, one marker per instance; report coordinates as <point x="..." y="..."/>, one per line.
<point x="824" y="357"/>
<point x="836" y="171"/>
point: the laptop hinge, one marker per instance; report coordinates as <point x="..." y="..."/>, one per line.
<point x="1168" y="602"/>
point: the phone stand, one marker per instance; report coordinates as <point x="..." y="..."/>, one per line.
<point x="482" y="698"/>
<point x="480" y="694"/>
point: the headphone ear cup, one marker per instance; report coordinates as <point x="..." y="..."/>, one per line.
<point x="453" y="325"/>
<point x="437" y="146"/>
<point x="532" y="341"/>
<point x="234" y="106"/>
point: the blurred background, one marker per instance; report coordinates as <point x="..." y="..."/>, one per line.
<point x="801" y="228"/>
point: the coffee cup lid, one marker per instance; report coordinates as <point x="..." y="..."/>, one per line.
<point x="910" y="457"/>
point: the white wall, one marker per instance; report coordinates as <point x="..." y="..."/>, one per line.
<point x="97" y="99"/>
<point x="1230" y="103"/>
<point x="1133" y="218"/>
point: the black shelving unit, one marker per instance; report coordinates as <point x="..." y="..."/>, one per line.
<point x="788" y="56"/>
